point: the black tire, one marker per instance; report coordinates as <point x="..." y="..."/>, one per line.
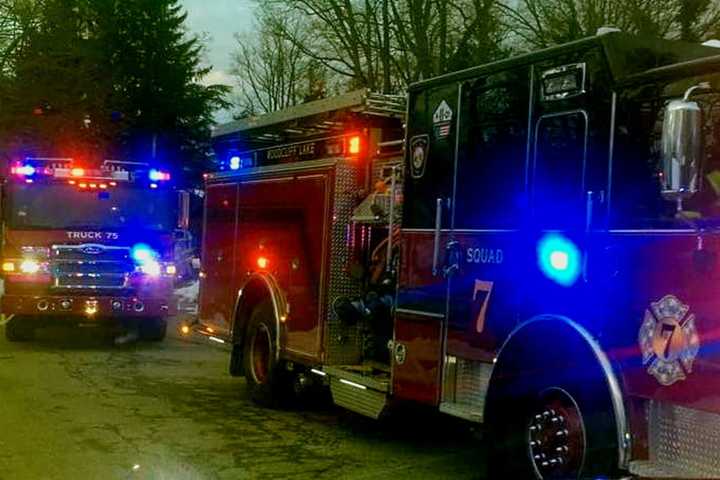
<point x="20" y="329"/>
<point x="267" y="379"/>
<point x="153" y="329"/>
<point x="526" y="415"/>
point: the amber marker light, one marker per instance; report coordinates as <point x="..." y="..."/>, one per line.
<point x="185" y="329"/>
<point x="8" y="266"/>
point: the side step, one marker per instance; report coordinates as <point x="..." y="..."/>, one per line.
<point x="466" y="411"/>
<point x="362" y="389"/>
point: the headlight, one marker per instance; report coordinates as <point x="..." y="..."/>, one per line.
<point x="151" y="268"/>
<point x="29" y="266"/>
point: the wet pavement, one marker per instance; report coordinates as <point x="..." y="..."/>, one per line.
<point x="74" y="406"/>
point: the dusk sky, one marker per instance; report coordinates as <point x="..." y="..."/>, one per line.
<point x="220" y="19"/>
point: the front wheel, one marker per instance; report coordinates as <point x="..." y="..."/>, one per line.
<point x="153" y="329"/>
<point x="553" y="430"/>
<point x="19" y="329"/>
<point x="267" y="380"/>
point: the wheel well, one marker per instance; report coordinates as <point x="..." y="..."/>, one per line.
<point x="549" y="343"/>
<point x="256" y="291"/>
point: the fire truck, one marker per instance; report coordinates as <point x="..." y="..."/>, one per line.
<point x="542" y="258"/>
<point x="87" y="245"/>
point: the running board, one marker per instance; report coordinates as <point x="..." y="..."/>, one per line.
<point x="363" y="394"/>
<point x="462" y="410"/>
<point x="204" y="334"/>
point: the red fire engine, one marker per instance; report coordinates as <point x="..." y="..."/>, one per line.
<point x="87" y="245"/>
<point x="543" y="258"/>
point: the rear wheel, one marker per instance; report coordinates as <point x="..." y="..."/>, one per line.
<point x="268" y="382"/>
<point x="153" y="329"/>
<point x="19" y="329"/>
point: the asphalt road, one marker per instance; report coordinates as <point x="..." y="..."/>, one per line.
<point x="74" y="406"/>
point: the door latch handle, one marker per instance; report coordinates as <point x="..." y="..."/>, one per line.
<point x="452" y="258"/>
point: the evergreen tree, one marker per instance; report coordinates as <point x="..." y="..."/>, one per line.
<point x="109" y="78"/>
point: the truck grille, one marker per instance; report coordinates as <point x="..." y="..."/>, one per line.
<point x="90" y="267"/>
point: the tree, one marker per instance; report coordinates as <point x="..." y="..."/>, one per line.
<point x="155" y="67"/>
<point x="541" y="23"/>
<point x="53" y="88"/>
<point x="385" y="44"/>
<point x="100" y="78"/>
<point x="273" y="73"/>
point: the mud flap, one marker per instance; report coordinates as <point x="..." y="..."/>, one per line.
<point x="236" y="361"/>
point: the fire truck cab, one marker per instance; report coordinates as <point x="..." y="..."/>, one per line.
<point x="87" y="245"/>
<point x="544" y="261"/>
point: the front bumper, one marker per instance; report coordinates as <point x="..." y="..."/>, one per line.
<point x="87" y="305"/>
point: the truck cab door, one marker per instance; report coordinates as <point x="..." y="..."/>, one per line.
<point x="422" y="297"/>
<point x="485" y="250"/>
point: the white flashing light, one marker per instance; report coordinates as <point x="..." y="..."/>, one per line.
<point x="318" y="372"/>
<point x="217" y="340"/>
<point x="23" y="170"/>
<point x="151" y="268"/>
<point x="158" y="176"/>
<point x="235" y="163"/>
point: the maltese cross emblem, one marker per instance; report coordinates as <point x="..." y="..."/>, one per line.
<point x="669" y="340"/>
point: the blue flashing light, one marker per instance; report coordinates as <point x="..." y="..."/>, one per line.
<point x="158" y="176"/>
<point x="235" y="163"/>
<point x="142" y="253"/>
<point x="559" y="259"/>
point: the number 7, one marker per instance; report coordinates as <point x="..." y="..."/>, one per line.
<point x="482" y="286"/>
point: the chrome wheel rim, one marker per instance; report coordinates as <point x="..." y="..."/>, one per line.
<point x="260" y="354"/>
<point x="556" y="436"/>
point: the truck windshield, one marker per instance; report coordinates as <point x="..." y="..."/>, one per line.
<point x="64" y="206"/>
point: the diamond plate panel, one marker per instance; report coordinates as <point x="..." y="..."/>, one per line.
<point x="472" y="382"/>
<point x="343" y="344"/>
<point x="684" y="441"/>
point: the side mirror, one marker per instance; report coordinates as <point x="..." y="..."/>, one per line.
<point x="682" y="149"/>
<point x="183" y="220"/>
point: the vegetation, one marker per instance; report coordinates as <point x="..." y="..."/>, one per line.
<point x="103" y="78"/>
<point x="327" y="46"/>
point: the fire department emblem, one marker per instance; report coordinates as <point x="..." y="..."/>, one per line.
<point x="418" y="154"/>
<point x="669" y="340"/>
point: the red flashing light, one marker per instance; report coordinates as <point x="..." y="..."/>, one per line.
<point x="263" y="262"/>
<point x="93" y="185"/>
<point x="354" y="145"/>
<point x="72" y="182"/>
<point x="83" y="185"/>
<point x="77" y="172"/>
<point x="103" y="186"/>
<point x="113" y="184"/>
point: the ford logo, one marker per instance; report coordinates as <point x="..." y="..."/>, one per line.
<point x="92" y="249"/>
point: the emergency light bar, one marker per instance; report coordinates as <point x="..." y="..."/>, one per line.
<point x="63" y="169"/>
